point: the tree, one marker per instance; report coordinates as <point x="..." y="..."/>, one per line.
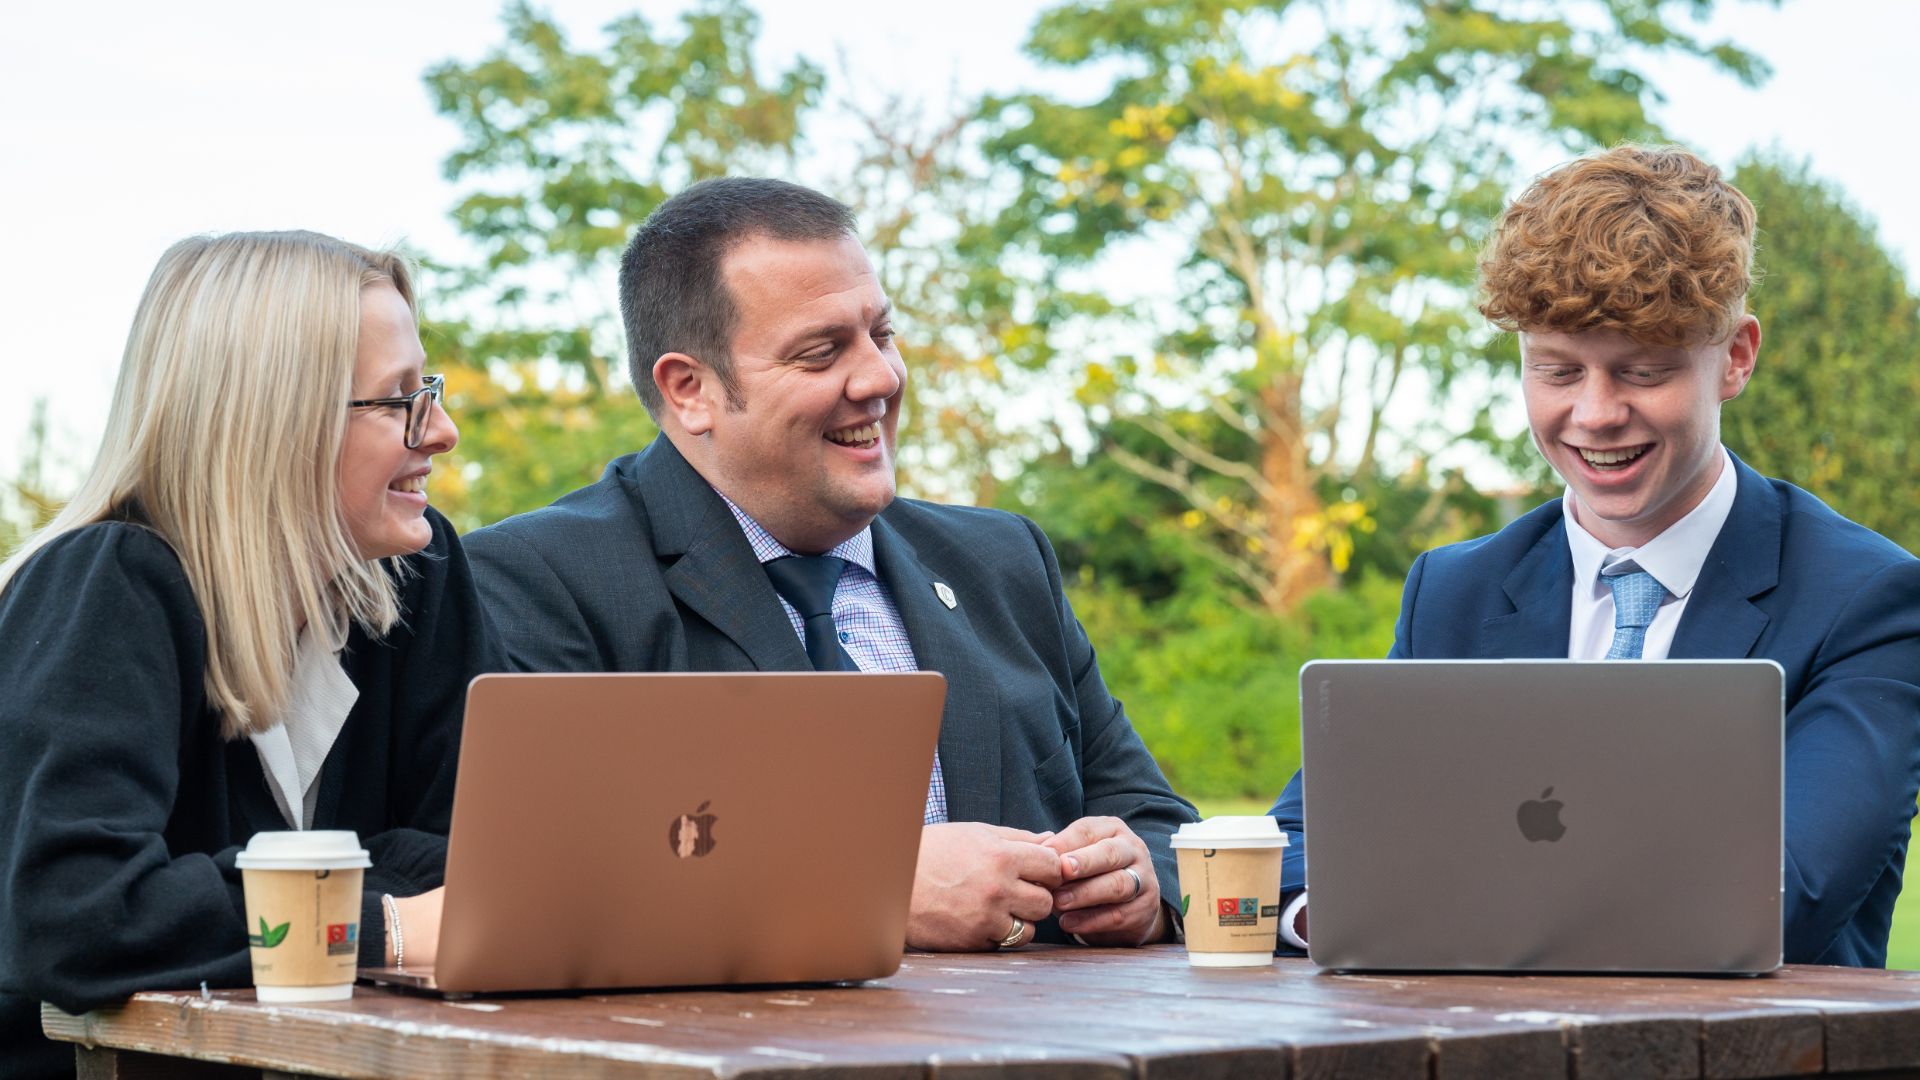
<point x="573" y="148"/>
<point x="568" y="151"/>
<point x="1324" y="172"/>
<point x="1830" y="406"/>
<point x="929" y="217"/>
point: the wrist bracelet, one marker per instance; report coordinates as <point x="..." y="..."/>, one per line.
<point x="393" y="932"/>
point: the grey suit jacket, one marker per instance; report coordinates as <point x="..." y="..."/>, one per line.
<point x="647" y="570"/>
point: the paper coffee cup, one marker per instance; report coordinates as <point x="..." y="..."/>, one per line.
<point x="303" y="913"/>
<point x="1230" y="889"/>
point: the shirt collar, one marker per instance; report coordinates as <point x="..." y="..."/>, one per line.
<point x="1675" y="557"/>
<point x="857" y="549"/>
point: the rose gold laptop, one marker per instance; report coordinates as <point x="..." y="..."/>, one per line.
<point x="648" y="830"/>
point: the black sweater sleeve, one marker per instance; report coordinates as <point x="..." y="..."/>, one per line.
<point x="102" y="654"/>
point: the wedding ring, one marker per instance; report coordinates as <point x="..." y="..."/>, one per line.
<point x="1014" y="935"/>
<point x="1138" y="885"/>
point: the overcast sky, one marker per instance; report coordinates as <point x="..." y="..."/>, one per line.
<point x="131" y="125"/>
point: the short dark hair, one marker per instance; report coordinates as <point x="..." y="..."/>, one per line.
<point x="672" y="295"/>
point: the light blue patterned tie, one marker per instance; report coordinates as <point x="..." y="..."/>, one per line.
<point x="1636" y="596"/>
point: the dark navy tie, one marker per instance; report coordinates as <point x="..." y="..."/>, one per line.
<point x="808" y="582"/>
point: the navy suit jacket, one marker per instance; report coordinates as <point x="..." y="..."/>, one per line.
<point x="1836" y="605"/>
<point x="647" y="570"/>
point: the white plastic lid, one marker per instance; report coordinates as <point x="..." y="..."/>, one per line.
<point x="319" y="849"/>
<point x="1252" y="831"/>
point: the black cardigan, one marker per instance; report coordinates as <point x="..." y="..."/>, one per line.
<point x="121" y="807"/>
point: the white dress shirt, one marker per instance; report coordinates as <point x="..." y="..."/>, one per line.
<point x="1674" y="558"/>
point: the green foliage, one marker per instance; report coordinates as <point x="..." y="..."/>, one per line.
<point x="529" y="433"/>
<point x="1325" y="171"/>
<point x="1830" y="403"/>
<point x="576" y="147"/>
<point x="27" y="501"/>
<point x="565" y="152"/>
<point x="1111" y="513"/>
<point x="1903" y="944"/>
<point x="1213" y="687"/>
<point x="1210" y="679"/>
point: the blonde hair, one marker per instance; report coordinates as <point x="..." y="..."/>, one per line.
<point x="224" y="438"/>
<point x="1649" y="241"/>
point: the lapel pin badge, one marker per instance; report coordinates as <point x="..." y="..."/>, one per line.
<point x="945" y="594"/>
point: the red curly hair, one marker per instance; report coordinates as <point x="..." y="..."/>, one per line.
<point x="1649" y="241"/>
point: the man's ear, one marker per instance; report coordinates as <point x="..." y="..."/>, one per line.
<point x="684" y="385"/>
<point x="1743" y="349"/>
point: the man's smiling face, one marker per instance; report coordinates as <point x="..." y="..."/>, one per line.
<point x="1634" y="429"/>
<point x="807" y="448"/>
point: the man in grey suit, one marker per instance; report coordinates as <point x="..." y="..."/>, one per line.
<point x="760" y="532"/>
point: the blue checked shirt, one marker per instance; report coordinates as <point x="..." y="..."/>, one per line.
<point x="870" y="626"/>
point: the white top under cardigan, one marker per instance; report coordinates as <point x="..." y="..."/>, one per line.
<point x="293" y="750"/>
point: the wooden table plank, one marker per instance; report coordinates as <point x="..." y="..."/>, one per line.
<point x="1066" y="1012"/>
<point x="1170" y="1041"/>
<point x="1786" y="1024"/>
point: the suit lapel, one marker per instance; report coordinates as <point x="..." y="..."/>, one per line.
<point x="1720" y="621"/>
<point x="943" y="640"/>
<point x="713" y="570"/>
<point x="1540" y="589"/>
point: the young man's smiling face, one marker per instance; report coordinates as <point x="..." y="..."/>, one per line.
<point x="807" y="448"/>
<point x="1634" y="429"/>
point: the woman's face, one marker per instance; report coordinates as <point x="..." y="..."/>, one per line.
<point x="383" y="485"/>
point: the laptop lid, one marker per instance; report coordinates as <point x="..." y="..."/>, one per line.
<point x="1544" y="815"/>
<point x="633" y="830"/>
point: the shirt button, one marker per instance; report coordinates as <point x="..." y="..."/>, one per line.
<point x="845" y="637"/>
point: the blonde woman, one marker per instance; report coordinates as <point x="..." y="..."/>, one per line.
<point x="247" y="619"/>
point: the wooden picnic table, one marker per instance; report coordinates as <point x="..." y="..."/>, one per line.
<point x="1053" y="1012"/>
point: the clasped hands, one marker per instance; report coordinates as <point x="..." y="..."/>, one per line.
<point x="974" y="879"/>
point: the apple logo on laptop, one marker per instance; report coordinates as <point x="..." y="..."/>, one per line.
<point x="692" y="834"/>
<point x="1540" y="818"/>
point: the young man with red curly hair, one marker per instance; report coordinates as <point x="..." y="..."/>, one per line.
<point x="1625" y="275"/>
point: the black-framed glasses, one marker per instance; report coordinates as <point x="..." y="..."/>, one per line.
<point x="419" y="406"/>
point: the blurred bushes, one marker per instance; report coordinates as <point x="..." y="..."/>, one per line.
<point x="1213" y="687"/>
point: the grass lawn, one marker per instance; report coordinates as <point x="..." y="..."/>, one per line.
<point x="1903" y="949"/>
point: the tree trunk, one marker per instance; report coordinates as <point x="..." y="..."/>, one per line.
<point x="1294" y="569"/>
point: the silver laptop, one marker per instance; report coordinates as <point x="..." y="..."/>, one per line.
<point x="1544" y="815"/>
<point x="682" y="829"/>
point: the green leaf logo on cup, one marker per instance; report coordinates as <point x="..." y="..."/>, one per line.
<point x="268" y="937"/>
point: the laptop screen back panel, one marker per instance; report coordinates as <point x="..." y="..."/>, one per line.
<point x="1544" y="815"/>
<point x="693" y="830"/>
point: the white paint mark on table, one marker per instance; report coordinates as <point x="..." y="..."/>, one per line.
<point x="1812" y="1003"/>
<point x="1397" y="984"/>
<point x="1534" y="1016"/>
<point x="790" y="1055"/>
<point x="639" y="1020"/>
